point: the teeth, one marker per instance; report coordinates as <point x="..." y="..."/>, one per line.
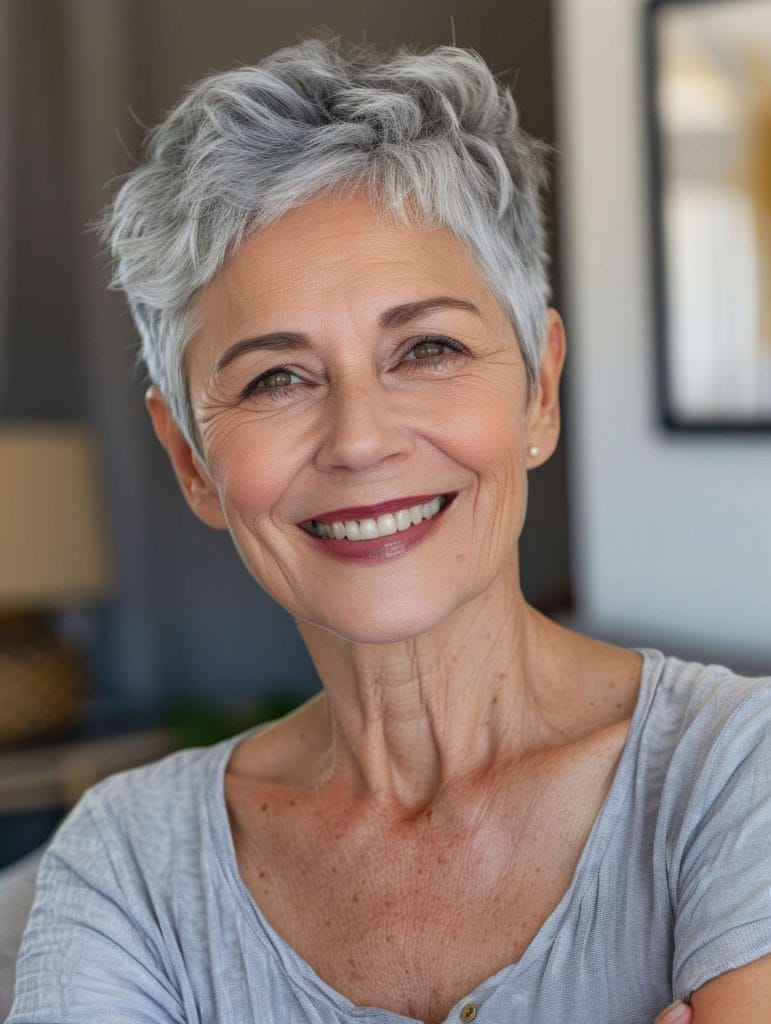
<point x="403" y="519"/>
<point x="368" y="528"/>
<point x="384" y="526"/>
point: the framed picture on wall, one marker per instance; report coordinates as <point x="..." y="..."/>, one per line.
<point x="709" y="109"/>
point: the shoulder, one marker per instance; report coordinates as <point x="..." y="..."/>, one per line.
<point x="158" y="787"/>
<point x="702" y="708"/>
<point x="134" y="823"/>
<point x="703" y="725"/>
<point x="161" y="782"/>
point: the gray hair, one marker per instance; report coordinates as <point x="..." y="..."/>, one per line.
<point x="433" y="133"/>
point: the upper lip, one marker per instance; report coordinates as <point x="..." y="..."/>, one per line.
<point x="341" y="515"/>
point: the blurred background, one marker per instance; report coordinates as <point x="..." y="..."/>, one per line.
<point x="126" y="627"/>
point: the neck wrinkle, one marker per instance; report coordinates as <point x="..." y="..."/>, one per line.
<point x="407" y="720"/>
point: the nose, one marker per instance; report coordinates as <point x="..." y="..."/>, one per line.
<point x="362" y="427"/>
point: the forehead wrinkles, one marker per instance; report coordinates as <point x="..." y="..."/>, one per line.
<point x="344" y="293"/>
<point x="326" y="239"/>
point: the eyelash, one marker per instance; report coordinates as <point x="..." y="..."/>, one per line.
<point x="430" y="362"/>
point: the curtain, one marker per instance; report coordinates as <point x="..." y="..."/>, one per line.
<point x="66" y="345"/>
<point x="6" y="162"/>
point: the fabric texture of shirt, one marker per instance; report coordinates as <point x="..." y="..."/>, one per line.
<point x="141" y="916"/>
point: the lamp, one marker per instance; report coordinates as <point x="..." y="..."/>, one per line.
<point x="53" y="557"/>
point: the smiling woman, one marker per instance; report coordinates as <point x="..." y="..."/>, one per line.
<point x="373" y="401"/>
<point x="336" y="262"/>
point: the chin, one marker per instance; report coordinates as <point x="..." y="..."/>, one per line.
<point x="371" y="623"/>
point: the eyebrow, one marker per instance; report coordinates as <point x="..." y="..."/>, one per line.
<point x="395" y="316"/>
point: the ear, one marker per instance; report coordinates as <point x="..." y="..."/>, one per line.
<point x="543" y="411"/>
<point x="196" y="485"/>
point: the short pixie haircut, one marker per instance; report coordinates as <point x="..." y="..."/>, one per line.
<point x="433" y="137"/>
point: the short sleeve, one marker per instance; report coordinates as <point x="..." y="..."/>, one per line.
<point x="84" y="957"/>
<point x="721" y="868"/>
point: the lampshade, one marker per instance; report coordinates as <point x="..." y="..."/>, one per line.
<point x="53" y="545"/>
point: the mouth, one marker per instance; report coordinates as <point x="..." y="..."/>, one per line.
<point x="372" y="522"/>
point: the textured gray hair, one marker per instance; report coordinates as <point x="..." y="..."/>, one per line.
<point x="432" y="134"/>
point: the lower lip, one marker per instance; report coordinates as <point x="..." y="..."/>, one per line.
<point x="382" y="549"/>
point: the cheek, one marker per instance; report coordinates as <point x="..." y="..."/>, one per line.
<point x="486" y="433"/>
<point x="253" y="465"/>
<point x="484" y="429"/>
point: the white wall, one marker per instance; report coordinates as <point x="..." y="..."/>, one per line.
<point x="671" y="534"/>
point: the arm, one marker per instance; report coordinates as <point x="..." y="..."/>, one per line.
<point x="742" y="995"/>
<point x="718" y="865"/>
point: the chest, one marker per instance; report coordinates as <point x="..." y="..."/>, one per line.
<point x="413" y="946"/>
<point x="414" y="923"/>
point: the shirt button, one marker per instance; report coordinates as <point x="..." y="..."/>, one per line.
<point x="468" y="1013"/>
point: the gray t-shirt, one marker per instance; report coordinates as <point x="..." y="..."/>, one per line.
<point x="141" y="916"/>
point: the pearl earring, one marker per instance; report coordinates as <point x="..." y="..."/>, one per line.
<point x="532" y="451"/>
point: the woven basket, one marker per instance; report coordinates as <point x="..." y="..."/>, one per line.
<point x="42" y="683"/>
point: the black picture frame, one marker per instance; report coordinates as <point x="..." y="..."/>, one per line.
<point x="666" y="415"/>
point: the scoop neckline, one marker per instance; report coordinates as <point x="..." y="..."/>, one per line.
<point x="300" y="972"/>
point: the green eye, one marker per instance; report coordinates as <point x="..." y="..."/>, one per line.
<point x="277" y="379"/>
<point x="274" y="383"/>
<point x="433" y="351"/>
<point x="427" y="349"/>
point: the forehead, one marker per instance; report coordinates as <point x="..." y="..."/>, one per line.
<point x="336" y="253"/>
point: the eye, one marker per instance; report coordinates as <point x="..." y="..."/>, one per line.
<point x="431" y="351"/>
<point x="275" y="383"/>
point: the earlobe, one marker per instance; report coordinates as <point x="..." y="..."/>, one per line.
<point x="544" y="418"/>
<point x="194" y="481"/>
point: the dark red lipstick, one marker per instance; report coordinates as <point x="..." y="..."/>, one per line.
<point x="380" y="549"/>
<point x="341" y="515"/>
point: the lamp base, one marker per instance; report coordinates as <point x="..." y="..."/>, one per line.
<point x="42" y="681"/>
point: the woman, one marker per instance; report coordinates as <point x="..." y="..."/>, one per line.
<point x="337" y="264"/>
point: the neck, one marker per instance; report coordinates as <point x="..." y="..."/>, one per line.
<point x="405" y="719"/>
